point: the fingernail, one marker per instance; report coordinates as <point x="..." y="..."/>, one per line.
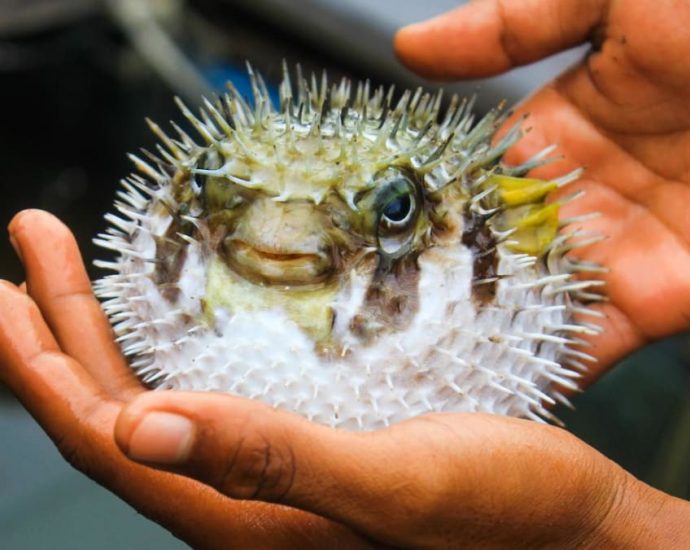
<point x="17" y="249"/>
<point x="162" y="438"/>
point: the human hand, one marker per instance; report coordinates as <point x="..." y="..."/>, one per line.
<point x="58" y="356"/>
<point x="436" y="481"/>
<point x="623" y="114"/>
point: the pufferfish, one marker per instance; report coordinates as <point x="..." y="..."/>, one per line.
<point x="351" y="255"/>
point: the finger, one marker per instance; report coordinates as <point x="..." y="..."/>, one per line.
<point x="247" y="450"/>
<point x="57" y="281"/>
<point x="51" y="385"/>
<point x="22" y="287"/>
<point x="488" y="37"/>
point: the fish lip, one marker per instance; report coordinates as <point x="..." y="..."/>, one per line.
<point x="277" y="267"/>
<point x="273" y="255"/>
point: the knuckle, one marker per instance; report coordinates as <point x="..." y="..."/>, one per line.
<point x="510" y="44"/>
<point x="259" y="467"/>
<point x="427" y="498"/>
<point x="80" y="439"/>
<point x="70" y="446"/>
<point x="424" y="495"/>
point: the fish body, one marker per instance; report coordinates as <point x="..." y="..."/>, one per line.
<point x="352" y="257"/>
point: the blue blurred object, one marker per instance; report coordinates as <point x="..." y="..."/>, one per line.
<point x="218" y="74"/>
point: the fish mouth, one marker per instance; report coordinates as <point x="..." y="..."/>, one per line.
<point x="277" y="267"/>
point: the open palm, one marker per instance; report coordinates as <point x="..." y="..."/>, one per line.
<point x="623" y="114"/>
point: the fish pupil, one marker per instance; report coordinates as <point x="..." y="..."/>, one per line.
<point x="398" y="209"/>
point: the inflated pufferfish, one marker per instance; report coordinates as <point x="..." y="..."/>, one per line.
<point x="355" y="259"/>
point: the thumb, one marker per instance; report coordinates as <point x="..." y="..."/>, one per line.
<point x="427" y="482"/>
<point x="248" y="450"/>
<point x="488" y="37"/>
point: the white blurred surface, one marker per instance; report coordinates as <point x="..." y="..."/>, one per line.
<point x="361" y="31"/>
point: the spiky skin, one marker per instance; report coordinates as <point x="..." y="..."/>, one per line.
<point x="353" y="260"/>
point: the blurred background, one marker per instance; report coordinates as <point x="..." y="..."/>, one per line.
<point x="77" y="78"/>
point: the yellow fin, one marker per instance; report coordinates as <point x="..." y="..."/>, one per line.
<point x="536" y="226"/>
<point x="518" y="191"/>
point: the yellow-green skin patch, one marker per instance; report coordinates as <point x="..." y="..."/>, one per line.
<point x="525" y="211"/>
<point x="310" y="309"/>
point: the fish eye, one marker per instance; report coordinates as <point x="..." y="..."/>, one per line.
<point x="390" y="210"/>
<point x="206" y="161"/>
<point x="398" y="211"/>
<point x="216" y="192"/>
<point x="397" y="202"/>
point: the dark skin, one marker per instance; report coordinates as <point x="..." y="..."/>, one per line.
<point x="439" y="481"/>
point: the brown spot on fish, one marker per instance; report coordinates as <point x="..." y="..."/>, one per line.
<point x="478" y="237"/>
<point x="171" y="253"/>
